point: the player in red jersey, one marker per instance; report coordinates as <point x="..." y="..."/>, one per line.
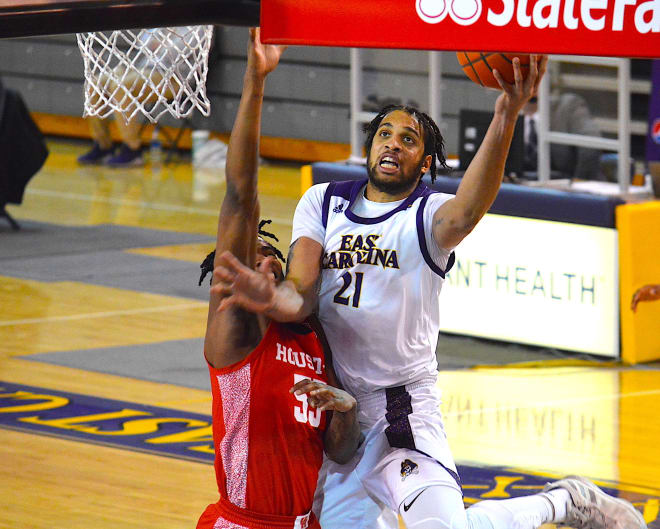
<point x="269" y="380"/>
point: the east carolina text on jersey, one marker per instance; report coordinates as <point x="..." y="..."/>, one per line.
<point x="358" y="249"/>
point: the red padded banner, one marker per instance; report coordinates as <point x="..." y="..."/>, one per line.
<point x="620" y="28"/>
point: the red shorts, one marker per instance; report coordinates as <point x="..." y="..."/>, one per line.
<point x="225" y="515"/>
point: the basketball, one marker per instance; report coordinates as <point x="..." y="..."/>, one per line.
<point x="479" y="66"/>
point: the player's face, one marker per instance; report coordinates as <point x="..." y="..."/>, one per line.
<point x="271" y="267"/>
<point x="396" y="160"/>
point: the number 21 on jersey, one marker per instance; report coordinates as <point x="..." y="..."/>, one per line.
<point x="302" y="413"/>
<point x="357" y="290"/>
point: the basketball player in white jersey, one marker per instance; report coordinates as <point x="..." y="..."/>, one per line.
<point x="372" y="255"/>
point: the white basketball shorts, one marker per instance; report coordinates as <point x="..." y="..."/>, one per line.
<point x="405" y="450"/>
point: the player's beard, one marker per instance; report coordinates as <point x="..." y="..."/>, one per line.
<point x="398" y="186"/>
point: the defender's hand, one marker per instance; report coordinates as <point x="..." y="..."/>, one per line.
<point x="324" y="397"/>
<point x="241" y="286"/>
<point x="262" y="58"/>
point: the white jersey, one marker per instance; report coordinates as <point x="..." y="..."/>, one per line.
<point x="380" y="283"/>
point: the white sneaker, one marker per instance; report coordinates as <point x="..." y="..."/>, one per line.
<point x="591" y="508"/>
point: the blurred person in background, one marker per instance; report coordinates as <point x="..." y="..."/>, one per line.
<point x="160" y="48"/>
<point x="104" y="151"/>
<point x="569" y="113"/>
<point x="23" y="150"/>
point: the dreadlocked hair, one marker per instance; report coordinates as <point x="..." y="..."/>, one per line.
<point x="434" y="143"/>
<point x="207" y="264"/>
<point x="263" y="233"/>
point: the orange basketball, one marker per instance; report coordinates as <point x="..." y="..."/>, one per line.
<point x="478" y="66"/>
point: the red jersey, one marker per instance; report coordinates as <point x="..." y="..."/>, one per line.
<point x="268" y="442"/>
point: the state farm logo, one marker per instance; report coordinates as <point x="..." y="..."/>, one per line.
<point x="463" y="12"/>
<point x="594" y="15"/>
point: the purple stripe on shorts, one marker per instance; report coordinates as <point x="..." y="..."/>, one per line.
<point x="399" y="406"/>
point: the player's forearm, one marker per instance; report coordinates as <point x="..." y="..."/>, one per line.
<point x="289" y="304"/>
<point x="483" y="177"/>
<point x="342" y="437"/>
<point x="243" y="152"/>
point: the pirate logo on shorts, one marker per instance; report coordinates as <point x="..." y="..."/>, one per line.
<point x="408" y="467"/>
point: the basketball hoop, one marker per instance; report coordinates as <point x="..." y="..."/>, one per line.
<point x="152" y="71"/>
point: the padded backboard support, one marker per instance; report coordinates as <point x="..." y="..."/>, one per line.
<point x="22" y="18"/>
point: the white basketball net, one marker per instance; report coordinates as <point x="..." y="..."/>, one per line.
<point x="153" y="71"/>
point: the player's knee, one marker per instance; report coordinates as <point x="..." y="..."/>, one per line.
<point x="488" y="514"/>
<point x="437" y="521"/>
<point x="459" y="521"/>
<point x="436" y="507"/>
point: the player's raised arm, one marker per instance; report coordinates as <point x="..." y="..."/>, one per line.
<point x="481" y="182"/>
<point x="236" y="283"/>
<point x="239" y="212"/>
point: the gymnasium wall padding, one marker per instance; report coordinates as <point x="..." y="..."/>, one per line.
<point x="514" y="200"/>
<point x="639" y="262"/>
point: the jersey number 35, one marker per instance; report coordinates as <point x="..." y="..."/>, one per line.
<point x="302" y="413"/>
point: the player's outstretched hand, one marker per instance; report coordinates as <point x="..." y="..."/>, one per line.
<point x="324" y="397"/>
<point x="241" y="286"/>
<point x="645" y="293"/>
<point x="262" y="58"/>
<point x="514" y="96"/>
